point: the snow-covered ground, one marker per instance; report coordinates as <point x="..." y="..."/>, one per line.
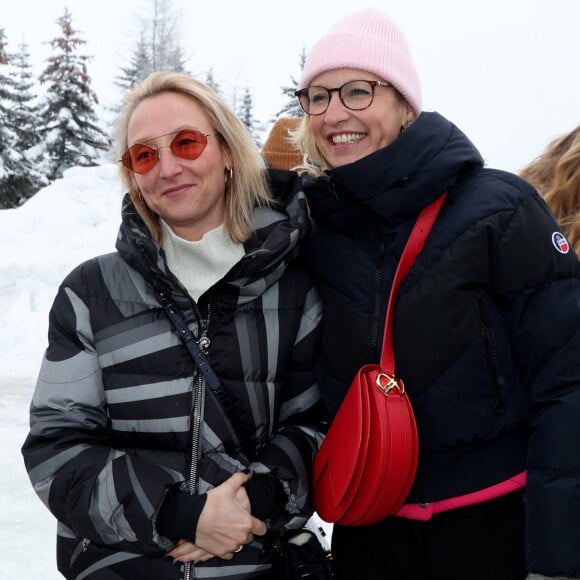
<point x="75" y="218"/>
<point x="27" y="531"/>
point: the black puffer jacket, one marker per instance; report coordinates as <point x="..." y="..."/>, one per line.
<point x="486" y="327"/>
<point x="111" y="426"/>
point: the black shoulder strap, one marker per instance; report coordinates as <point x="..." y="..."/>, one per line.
<point x="211" y="379"/>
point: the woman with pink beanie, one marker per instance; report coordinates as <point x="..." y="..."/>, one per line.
<point x="486" y="325"/>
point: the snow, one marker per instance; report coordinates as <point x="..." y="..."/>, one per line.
<point x="73" y="219"/>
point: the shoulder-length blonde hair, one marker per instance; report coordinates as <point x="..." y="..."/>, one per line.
<point x="556" y="175"/>
<point x="248" y="186"/>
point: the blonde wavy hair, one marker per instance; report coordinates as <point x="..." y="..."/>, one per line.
<point x="248" y="186"/>
<point x="556" y="175"/>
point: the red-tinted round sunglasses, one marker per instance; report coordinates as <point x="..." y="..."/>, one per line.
<point x="187" y="144"/>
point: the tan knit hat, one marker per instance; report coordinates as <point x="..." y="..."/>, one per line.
<point x="278" y="150"/>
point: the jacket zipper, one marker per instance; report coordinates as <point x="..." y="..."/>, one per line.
<point x="379" y="299"/>
<point x="491" y="351"/>
<point x="195" y="433"/>
<point x="196" y="418"/>
<point x="196" y="410"/>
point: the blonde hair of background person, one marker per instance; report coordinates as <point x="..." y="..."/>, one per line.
<point x="556" y="175"/>
<point x="248" y="185"/>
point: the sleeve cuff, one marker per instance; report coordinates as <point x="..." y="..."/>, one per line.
<point x="267" y="496"/>
<point x="178" y="515"/>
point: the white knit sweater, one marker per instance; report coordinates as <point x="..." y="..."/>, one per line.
<point x="199" y="265"/>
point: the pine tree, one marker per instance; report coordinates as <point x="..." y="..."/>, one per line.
<point x="7" y="137"/>
<point x="70" y="131"/>
<point x="20" y="176"/>
<point x="292" y="107"/>
<point x="139" y="67"/>
<point x="246" y="115"/>
<point x="211" y="82"/>
<point x="166" y="50"/>
<point x="25" y="118"/>
<point x="27" y="113"/>
<point x="158" y="47"/>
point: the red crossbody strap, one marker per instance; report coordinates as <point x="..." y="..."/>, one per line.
<point x="413" y="246"/>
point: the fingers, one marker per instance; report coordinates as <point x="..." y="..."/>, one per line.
<point x="225" y="522"/>
<point x="236" y="481"/>
<point x="186" y="551"/>
<point x="241" y="496"/>
<point x="258" y="527"/>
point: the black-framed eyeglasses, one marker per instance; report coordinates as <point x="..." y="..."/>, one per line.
<point x="354" y="95"/>
<point x="187" y="144"/>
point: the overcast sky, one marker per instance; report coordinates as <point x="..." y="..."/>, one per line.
<point x="506" y="72"/>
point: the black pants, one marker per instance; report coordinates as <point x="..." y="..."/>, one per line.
<point x="479" y="542"/>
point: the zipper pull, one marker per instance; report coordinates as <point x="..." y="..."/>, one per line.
<point x="204" y="343"/>
<point x="204" y="340"/>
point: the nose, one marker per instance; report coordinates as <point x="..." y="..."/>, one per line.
<point x="168" y="162"/>
<point x="336" y="110"/>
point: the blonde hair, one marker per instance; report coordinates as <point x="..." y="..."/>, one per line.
<point x="248" y="186"/>
<point x="313" y="162"/>
<point x="556" y="175"/>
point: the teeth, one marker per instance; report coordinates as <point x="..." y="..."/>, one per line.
<point x="347" y="138"/>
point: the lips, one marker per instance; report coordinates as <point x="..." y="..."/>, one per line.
<point x="346" y="138"/>
<point x="176" y="190"/>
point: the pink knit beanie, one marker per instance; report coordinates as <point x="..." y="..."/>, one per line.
<point x="369" y="41"/>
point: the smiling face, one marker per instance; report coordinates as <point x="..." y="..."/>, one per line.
<point x="188" y="194"/>
<point x="344" y="136"/>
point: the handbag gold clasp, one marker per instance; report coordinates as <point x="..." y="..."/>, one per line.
<point x="386" y="383"/>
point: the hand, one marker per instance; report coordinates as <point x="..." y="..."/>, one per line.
<point x="226" y="524"/>
<point x="187" y="551"/>
<point x="242" y="498"/>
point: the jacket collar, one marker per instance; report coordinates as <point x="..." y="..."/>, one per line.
<point x="397" y="181"/>
<point x="275" y="242"/>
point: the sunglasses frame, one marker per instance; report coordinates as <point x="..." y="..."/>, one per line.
<point x="128" y="162"/>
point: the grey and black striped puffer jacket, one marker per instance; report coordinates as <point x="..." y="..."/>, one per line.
<point x="111" y="413"/>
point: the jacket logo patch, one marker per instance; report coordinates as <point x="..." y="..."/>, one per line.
<point x="560" y="242"/>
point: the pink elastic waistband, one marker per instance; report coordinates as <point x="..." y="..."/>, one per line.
<point x="425" y="511"/>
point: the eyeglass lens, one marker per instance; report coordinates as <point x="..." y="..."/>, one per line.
<point x="354" y="95"/>
<point x="187" y="144"/>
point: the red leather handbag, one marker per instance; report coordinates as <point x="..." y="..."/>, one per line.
<point x="367" y="462"/>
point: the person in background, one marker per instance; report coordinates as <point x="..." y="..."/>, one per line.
<point x="137" y="459"/>
<point x="486" y="327"/>
<point x="279" y="151"/>
<point x="556" y="175"/>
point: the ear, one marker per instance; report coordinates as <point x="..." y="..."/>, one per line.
<point x="410" y="115"/>
<point x="229" y="161"/>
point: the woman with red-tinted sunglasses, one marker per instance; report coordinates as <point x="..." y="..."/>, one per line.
<point x="152" y="471"/>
